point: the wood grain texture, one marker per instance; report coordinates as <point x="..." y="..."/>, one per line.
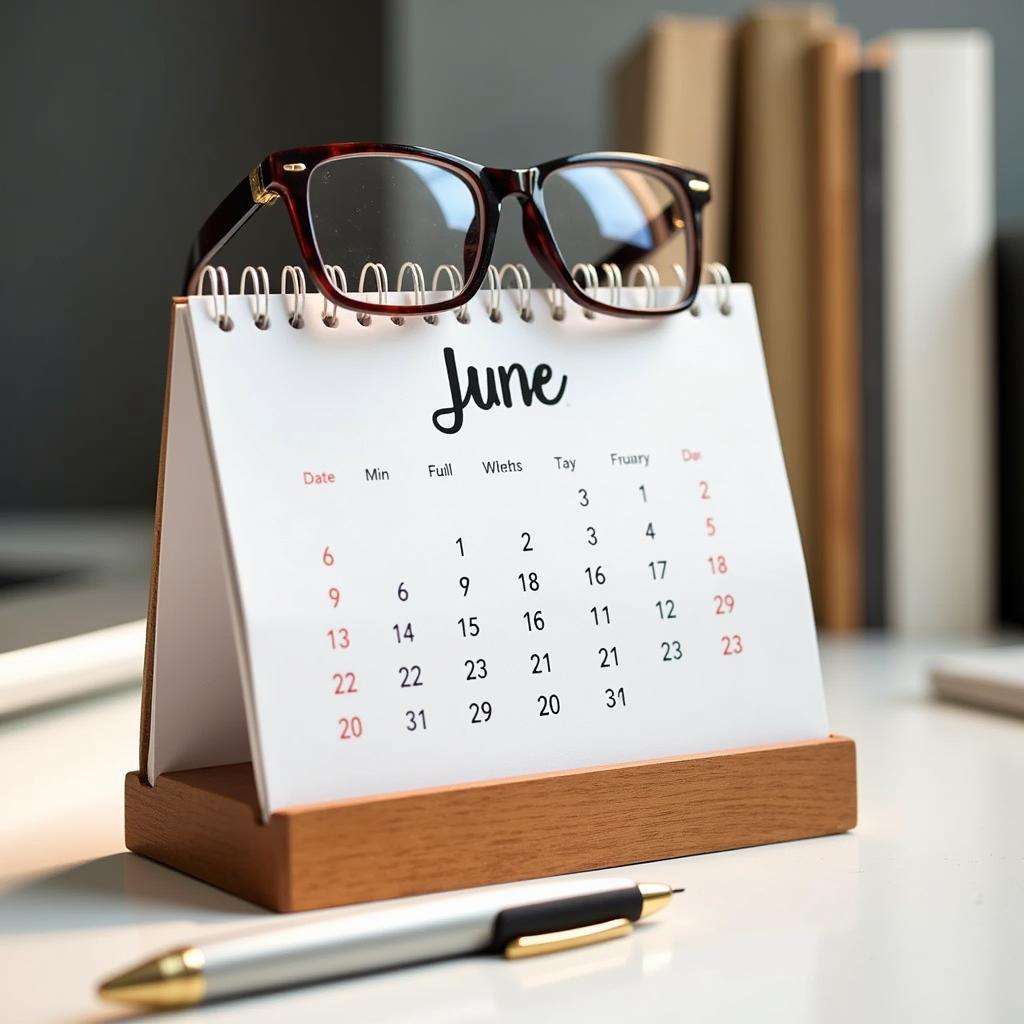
<point x="206" y="823"/>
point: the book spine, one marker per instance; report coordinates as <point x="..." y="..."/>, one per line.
<point x="937" y="120"/>
<point x="834" y="78"/>
<point x="1010" y="419"/>
<point x="872" y="347"/>
<point x="774" y="234"/>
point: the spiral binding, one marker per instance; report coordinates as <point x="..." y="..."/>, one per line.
<point x="219" y="291"/>
<point x="260" y="291"/>
<point x="295" y="297"/>
<point x="589" y="277"/>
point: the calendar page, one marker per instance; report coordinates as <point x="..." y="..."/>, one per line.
<point x="471" y="551"/>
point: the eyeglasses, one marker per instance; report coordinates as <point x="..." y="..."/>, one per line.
<point x="608" y="228"/>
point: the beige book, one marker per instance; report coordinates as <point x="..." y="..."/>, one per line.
<point x="835" y="63"/>
<point x="673" y="98"/>
<point x="774" y="233"/>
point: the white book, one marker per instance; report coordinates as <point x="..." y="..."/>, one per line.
<point x="938" y="237"/>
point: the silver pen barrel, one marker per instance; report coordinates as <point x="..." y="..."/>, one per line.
<point x="331" y="948"/>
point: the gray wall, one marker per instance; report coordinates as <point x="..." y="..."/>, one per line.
<point x="123" y="124"/>
<point x="514" y="84"/>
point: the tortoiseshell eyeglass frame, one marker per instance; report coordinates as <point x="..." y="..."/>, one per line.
<point x="286" y="175"/>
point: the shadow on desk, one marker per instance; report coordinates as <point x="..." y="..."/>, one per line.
<point x="109" y="891"/>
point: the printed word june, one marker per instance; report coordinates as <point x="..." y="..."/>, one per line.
<point x="495" y="388"/>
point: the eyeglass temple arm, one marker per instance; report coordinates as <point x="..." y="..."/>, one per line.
<point x="239" y="205"/>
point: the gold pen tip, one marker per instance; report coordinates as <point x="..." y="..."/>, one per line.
<point x="174" y="979"/>
<point x="655" y="896"/>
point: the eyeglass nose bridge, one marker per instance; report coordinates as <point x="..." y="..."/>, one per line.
<point x="512" y="181"/>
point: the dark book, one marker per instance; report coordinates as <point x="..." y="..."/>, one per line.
<point x="1010" y="422"/>
<point x="872" y="347"/>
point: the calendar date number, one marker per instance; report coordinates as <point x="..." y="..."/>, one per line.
<point x="410" y="675"/>
<point x="732" y="645"/>
<point x="403" y="634"/>
<point x="480" y="713"/>
<point x="476" y="668"/>
<point x="549" y="704"/>
<point x="339" y="639"/>
<point x="615" y="697"/>
<point x="534" y="621"/>
<point x="541" y="663"/>
<point x="350" y="728"/>
<point x="671" y="650"/>
<point x="344" y="682"/>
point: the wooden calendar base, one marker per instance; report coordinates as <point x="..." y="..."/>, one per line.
<point x="206" y="823"/>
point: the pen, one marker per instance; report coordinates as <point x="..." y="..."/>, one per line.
<point x="517" y="921"/>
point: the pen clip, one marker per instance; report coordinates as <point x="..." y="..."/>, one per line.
<point x="565" y="916"/>
<point x="576" y="920"/>
<point x="570" y="938"/>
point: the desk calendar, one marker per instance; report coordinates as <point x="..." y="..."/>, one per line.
<point x="399" y="557"/>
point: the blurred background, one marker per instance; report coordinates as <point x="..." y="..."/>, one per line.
<point x="868" y="170"/>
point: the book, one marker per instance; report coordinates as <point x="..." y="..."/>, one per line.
<point x="937" y="153"/>
<point x="673" y="97"/>
<point x="871" y="320"/>
<point x="773" y="235"/>
<point x="835" y="61"/>
<point x="1010" y="420"/>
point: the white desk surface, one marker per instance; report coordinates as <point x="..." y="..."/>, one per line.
<point x="918" y="915"/>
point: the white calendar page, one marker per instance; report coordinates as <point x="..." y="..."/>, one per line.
<point x="609" y="573"/>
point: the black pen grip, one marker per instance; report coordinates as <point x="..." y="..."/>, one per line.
<point x="560" y="915"/>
